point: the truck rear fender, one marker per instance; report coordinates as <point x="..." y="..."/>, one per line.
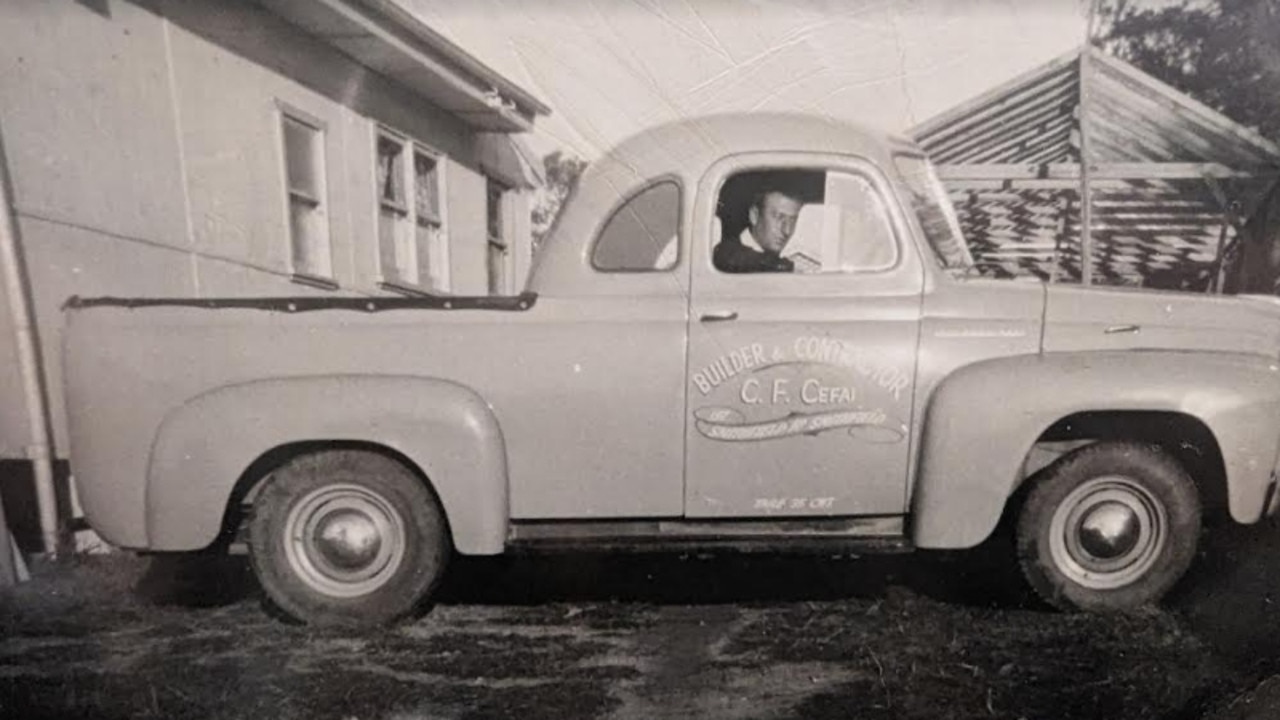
<point x="983" y="420"/>
<point x="448" y="431"/>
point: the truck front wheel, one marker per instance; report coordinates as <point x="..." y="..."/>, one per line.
<point x="347" y="537"/>
<point x="1111" y="526"/>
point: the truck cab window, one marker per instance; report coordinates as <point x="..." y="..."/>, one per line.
<point x="803" y="221"/>
<point x="643" y="234"/>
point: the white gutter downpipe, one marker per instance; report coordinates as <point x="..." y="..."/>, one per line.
<point x="39" y="451"/>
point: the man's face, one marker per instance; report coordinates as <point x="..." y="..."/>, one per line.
<point x="773" y="221"/>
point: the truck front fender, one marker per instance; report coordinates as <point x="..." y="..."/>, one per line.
<point x="984" y="418"/>
<point x="202" y="448"/>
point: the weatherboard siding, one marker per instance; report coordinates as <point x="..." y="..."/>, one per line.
<point x="145" y="160"/>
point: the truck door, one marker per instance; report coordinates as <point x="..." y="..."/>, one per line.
<point x="801" y="369"/>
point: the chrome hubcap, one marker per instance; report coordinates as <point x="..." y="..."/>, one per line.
<point x="1108" y="532"/>
<point x="348" y="539"/>
<point x="344" y="540"/>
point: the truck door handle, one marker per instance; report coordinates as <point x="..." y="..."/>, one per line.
<point x="1117" y="329"/>
<point x="719" y="316"/>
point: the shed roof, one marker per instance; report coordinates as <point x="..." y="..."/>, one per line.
<point x="1132" y="117"/>
<point x="1164" y="171"/>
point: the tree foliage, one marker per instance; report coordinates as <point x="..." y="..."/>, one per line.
<point x="562" y="173"/>
<point x="1224" y="53"/>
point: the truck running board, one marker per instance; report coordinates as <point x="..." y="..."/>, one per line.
<point x="882" y="534"/>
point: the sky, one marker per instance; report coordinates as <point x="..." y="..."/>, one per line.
<point x="609" y="68"/>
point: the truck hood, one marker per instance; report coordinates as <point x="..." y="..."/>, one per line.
<point x="1078" y="318"/>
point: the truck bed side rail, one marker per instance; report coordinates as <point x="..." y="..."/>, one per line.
<point x="509" y="303"/>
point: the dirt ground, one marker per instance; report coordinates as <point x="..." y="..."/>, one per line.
<point x="924" y="635"/>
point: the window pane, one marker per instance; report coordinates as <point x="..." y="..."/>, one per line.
<point x="300" y="155"/>
<point x="298" y="231"/>
<point x="308" y="241"/>
<point x="395" y="247"/>
<point x="635" y="237"/>
<point x="432" y="258"/>
<point x="494" y="211"/>
<point x="390" y="172"/>
<point x="406" y="253"/>
<point x="862" y="236"/>
<point x="424" y="238"/>
<point x="497" y="269"/>
<point x="426" y="187"/>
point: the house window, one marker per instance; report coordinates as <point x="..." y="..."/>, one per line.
<point x="412" y="245"/>
<point x="305" y="183"/>
<point x="499" y="252"/>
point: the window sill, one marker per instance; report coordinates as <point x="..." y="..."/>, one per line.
<point x="314" y="281"/>
<point x="406" y="289"/>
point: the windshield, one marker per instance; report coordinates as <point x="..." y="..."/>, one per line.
<point x="937" y="216"/>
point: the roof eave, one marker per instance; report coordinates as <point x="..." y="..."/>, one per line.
<point x="391" y="42"/>
<point x="464" y="60"/>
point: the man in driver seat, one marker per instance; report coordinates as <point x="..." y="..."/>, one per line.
<point x="770" y="222"/>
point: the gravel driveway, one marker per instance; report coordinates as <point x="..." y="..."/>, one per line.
<point x="926" y="635"/>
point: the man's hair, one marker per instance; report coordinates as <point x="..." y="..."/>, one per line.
<point x="757" y="199"/>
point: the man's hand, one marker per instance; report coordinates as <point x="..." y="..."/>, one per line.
<point x="804" y="264"/>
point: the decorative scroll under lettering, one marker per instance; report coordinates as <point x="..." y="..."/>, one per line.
<point x="729" y="425"/>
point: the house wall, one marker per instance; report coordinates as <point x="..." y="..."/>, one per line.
<point x="144" y="149"/>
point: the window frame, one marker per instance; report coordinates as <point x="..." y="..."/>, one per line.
<point x="407" y="216"/>
<point x="621" y="203"/>
<point x="950" y="211"/>
<point x="322" y="277"/>
<point x="869" y="174"/>
<point x="502" y="242"/>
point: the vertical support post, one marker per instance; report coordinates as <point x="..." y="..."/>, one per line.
<point x="8" y="568"/>
<point x="1230" y="221"/>
<point x="1219" y="257"/>
<point x="1086" y="196"/>
<point x="14" y="280"/>
<point x="1064" y="224"/>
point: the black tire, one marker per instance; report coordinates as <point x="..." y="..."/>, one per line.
<point x="347" y="537"/>
<point x="1111" y="526"/>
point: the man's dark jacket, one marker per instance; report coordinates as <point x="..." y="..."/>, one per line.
<point x="732" y="256"/>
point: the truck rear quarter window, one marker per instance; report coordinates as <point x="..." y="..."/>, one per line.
<point x="642" y="235"/>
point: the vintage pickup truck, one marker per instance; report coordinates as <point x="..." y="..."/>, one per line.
<point x="883" y="395"/>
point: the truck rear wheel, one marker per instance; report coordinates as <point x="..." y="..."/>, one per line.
<point x="1111" y="526"/>
<point x="347" y="537"/>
